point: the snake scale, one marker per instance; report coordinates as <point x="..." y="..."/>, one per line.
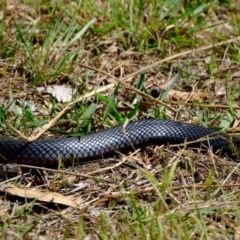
<point x="48" y="152"/>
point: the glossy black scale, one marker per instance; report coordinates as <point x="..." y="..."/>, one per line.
<point x="103" y="143"/>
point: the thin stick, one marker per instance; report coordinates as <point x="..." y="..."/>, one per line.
<point x="122" y="81"/>
<point x="63" y="172"/>
<point x="44" y="128"/>
<point x="152" y="189"/>
<point x="178" y="55"/>
<point x="222" y="106"/>
<point x="126" y="85"/>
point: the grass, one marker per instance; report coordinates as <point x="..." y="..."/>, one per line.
<point x="163" y="194"/>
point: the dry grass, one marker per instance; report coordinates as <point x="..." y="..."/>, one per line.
<point x="179" y="63"/>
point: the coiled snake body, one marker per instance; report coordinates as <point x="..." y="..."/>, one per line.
<point x="104" y="143"/>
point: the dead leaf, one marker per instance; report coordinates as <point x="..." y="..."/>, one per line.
<point x="183" y="96"/>
<point x="44" y="196"/>
<point x="112" y="49"/>
<point x="236" y="233"/>
<point x="220" y="91"/>
<point x="235" y="75"/>
<point x="62" y="93"/>
<point x="207" y="83"/>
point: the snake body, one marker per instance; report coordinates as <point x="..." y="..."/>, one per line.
<point x="48" y="152"/>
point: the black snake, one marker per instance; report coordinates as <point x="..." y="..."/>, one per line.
<point x="48" y="152"/>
